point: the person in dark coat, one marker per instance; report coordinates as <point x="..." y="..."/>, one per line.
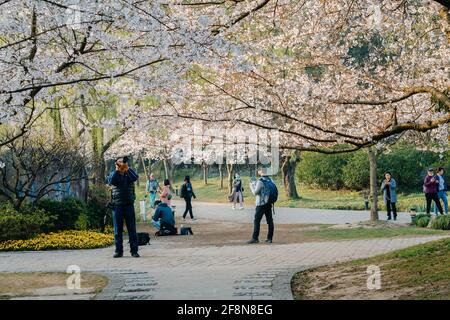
<point x="389" y="188"/>
<point x="164" y="219"/>
<point x="123" y="197"/>
<point x="187" y="193"/>
<point x="430" y="188"/>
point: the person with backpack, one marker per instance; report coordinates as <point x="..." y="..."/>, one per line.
<point x="430" y="188"/>
<point x="187" y="193"/>
<point x="164" y="219"/>
<point x="442" y="190"/>
<point x="152" y="188"/>
<point x="123" y="196"/>
<point x="388" y="187"/>
<point x="237" y="195"/>
<point x="266" y="193"/>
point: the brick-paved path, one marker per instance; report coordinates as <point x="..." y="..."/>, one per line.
<point x="233" y="272"/>
<point x="223" y="212"/>
<point x="230" y="272"/>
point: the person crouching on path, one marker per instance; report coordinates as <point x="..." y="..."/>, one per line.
<point x="389" y="186"/>
<point x="163" y="219"/>
<point x="263" y="206"/>
<point x="123" y="197"/>
<point x="187" y="193"/>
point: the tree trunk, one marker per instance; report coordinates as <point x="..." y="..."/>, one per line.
<point x="221" y="175"/>
<point x="145" y="168"/>
<point x="289" y="165"/>
<point x="99" y="161"/>
<point x="205" y="173"/>
<point x="168" y="170"/>
<point x="56" y="117"/>
<point x="372" y="153"/>
<point x="230" y="171"/>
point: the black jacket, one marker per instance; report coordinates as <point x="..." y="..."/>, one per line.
<point x="123" y="187"/>
<point x="186" y="191"/>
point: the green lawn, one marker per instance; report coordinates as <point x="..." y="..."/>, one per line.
<point x="420" y="272"/>
<point x="325" y="232"/>
<point x="310" y="198"/>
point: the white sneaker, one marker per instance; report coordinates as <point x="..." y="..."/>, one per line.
<point x="233" y="207"/>
<point x="241" y="208"/>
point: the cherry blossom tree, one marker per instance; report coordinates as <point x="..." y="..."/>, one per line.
<point x="333" y="76"/>
<point x="47" y="45"/>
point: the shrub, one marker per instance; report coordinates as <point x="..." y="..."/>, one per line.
<point x="441" y="223"/>
<point x="408" y="165"/>
<point x="66" y="212"/>
<point x="356" y="173"/>
<point x="322" y="171"/>
<point x="98" y="197"/>
<point x="423" y="222"/>
<point x="61" y="240"/>
<point x="351" y="171"/>
<point x="16" y="225"/>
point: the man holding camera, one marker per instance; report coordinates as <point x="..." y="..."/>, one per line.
<point x="123" y="196"/>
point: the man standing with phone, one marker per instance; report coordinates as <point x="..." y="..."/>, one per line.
<point x="123" y="197"/>
<point x="266" y="195"/>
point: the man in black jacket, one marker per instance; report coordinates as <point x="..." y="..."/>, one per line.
<point x="123" y="196"/>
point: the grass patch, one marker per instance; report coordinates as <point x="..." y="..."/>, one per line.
<point x="419" y="272"/>
<point x="28" y="284"/>
<point x="310" y="198"/>
<point x="367" y="233"/>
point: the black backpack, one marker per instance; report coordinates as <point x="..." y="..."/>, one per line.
<point x="184" y="231"/>
<point x="143" y="238"/>
<point x="166" y="230"/>
<point x="271" y="189"/>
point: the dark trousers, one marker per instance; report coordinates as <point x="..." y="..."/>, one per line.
<point x="259" y="213"/>
<point x="435" y="198"/>
<point x="188" y="208"/>
<point x="391" y="206"/>
<point x="120" y="213"/>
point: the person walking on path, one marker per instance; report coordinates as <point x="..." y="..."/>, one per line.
<point x="123" y="197"/>
<point x="389" y="186"/>
<point x="430" y="188"/>
<point x="261" y="188"/>
<point x="237" y="195"/>
<point x="166" y="195"/>
<point x="152" y="188"/>
<point x="187" y="193"/>
<point x="442" y="190"/>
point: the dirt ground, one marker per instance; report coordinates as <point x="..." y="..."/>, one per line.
<point x="43" y="283"/>
<point x="220" y="233"/>
<point x="348" y="283"/>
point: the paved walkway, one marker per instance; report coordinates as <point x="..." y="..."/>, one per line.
<point x="223" y="212"/>
<point x="230" y="272"/>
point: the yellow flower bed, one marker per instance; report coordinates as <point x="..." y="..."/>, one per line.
<point x="61" y="240"/>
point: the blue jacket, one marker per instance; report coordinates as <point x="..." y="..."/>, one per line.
<point x="123" y="187"/>
<point x="393" y="191"/>
<point x="164" y="212"/>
